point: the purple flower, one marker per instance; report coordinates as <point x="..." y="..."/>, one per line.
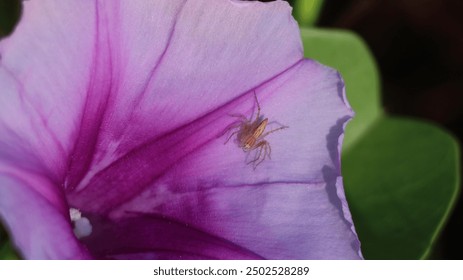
<point x="113" y="120"/>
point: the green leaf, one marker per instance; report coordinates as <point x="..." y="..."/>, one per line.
<point x="7" y="252"/>
<point x="306" y="12"/>
<point x="402" y="179"/>
<point x="401" y="176"/>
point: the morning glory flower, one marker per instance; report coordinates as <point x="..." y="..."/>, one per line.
<point x="113" y="123"/>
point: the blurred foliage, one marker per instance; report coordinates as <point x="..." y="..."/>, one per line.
<point x="306" y="12"/>
<point x="403" y="180"/>
<point x="401" y="176"/>
<point x="10" y="12"/>
<point x="7" y="252"/>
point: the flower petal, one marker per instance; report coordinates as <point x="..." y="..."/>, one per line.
<point x="155" y="237"/>
<point x="44" y="74"/>
<point x="310" y="99"/>
<point x="147" y="126"/>
<point x="206" y="62"/>
<point x="277" y="221"/>
<point x="41" y="230"/>
<point x="272" y="221"/>
<point x="203" y="60"/>
<point x="295" y="198"/>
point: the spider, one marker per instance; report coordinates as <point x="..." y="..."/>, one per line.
<point x="251" y="136"/>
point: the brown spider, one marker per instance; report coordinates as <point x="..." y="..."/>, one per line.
<point x="250" y="135"/>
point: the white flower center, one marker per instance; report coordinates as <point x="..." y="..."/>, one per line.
<point x="82" y="225"/>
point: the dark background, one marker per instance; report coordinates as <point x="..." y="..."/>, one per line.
<point x="418" y="45"/>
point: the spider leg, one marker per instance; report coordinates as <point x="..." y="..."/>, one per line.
<point x="230" y="127"/>
<point x="261" y="154"/>
<point x="231" y="135"/>
<point x="258" y="147"/>
<point x="269" y="150"/>
<point x="258" y="106"/>
<point x="240" y="116"/>
<point x="236" y="124"/>
<point x="265" y="147"/>
<point x="273" y="130"/>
